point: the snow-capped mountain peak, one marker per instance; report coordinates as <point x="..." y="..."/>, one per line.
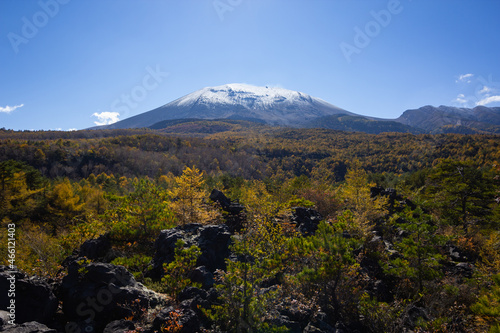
<point x="251" y="97"/>
<point x="273" y="105"/>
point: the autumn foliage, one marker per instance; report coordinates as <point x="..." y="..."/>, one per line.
<point x="422" y="257"/>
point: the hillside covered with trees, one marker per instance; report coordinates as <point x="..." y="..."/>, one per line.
<point x="309" y="230"/>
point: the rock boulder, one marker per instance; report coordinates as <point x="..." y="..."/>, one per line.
<point x="34" y="296"/>
<point x="306" y="219"/>
<point x="95" y="294"/>
<point x="213" y="241"/>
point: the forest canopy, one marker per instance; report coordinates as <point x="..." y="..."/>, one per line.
<point x="416" y="215"/>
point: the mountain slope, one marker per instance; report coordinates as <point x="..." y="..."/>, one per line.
<point x="282" y="107"/>
<point x="275" y="106"/>
<point x="204" y="127"/>
<point x="353" y="123"/>
<point x="446" y="119"/>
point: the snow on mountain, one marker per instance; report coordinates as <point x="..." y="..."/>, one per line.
<point x="276" y="106"/>
<point x="251" y="97"/>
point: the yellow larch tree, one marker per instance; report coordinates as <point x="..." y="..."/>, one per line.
<point x="188" y="198"/>
<point x="361" y="208"/>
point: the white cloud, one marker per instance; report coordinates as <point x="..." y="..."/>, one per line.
<point x="476" y="90"/>
<point x="489" y="100"/>
<point x="9" y="109"/>
<point x="485" y="90"/>
<point x="465" y="78"/>
<point x="461" y="99"/>
<point x="106" y="118"/>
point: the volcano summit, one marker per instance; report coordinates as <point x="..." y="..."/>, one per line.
<point x="282" y="107"/>
<point x="270" y="105"/>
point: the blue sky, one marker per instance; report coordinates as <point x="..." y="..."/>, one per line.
<point x="67" y="64"/>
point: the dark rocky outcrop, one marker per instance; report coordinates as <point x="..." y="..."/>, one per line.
<point x="388" y="192"/>
<point x="28" y="327"/>
<point x="119" y="326"/>
<point x="393" y="197"/>
<point x="177" y="320"/>
<point x="292" y="315"/>
<point x="235" y="217"/>
<point x="306" y="220"/>
<point x="414" y="314"/>
<point x="196" y="299"/>
<point x="94" y="294"/>
<point x="320" y="325"/>
<point x="96" y="249"/>
<point x="34" y="295"/>
<point x="4" y="318"/>
<point x="99" y="249"/>
<point x="164" y="318"/>
<point x="284" y="321"/>
<point x="458" y="254"/>
<point x="188" y="315"/>
<point x="203" y="276"/>
<point x="461" y="270"/>
<point x="213" y="241"/>
<point x="232" y="207"/>
<point x="379" y="284"/>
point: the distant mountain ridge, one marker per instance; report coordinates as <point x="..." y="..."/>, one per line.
<point x="351" y="123"/>
<point x="446" y="119"/>
<point x="282" y="107"/>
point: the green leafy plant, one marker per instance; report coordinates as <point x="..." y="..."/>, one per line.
<point x="142" y="213"/>
<point x="244" y="303"/>
<point x="419" y="260"/>
<point x="138" y="264"/>
<point x="461" y="191"/>
<point x="328" y="263"/>
<point x="176" y="272"/>
<point x="487" y="306"/>
<point x="381" y="316"/>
